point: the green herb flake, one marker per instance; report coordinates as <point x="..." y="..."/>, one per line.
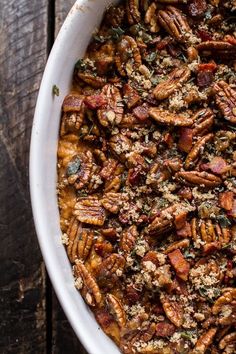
<point x="223" y="220"/>
<point x="80" y="64"/>
<point x="73" y="167"/>
<point x="55" y="90"/>
<point x="151" y="57"/>
<point x="116" y="32"/>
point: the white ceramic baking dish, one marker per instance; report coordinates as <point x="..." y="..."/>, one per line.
<point x="70" y="45"/>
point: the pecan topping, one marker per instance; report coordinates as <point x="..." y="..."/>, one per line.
<point x="116" y="309"/>
<point x="226" y="100"/>
<point x="90" y="211"/>
<point x="228" y="342"/>
<point x="173" y="311"/>
<point x="74" y="111"/>
<point x="131" y="96"/>
<point x="167" y="118"/>
<point x="92" y="80"/>
<point x="113" y="201"/>
<point x="91" y="291"/>
<point x="175" y="80"/>
<point x="80" y="241"/>
<point x="132" y="11"/>
<point x="180" y="265"/>
<point x="151" y="18"/>
<point x="128" y="239"/>
<point x="162" y="223"/>
<point x="79" y="170"/>
<point x="204" y="341"/>
<point x="112" y="265"/>
<point x="128" y="56"/>
<point x="203" y="121"/>
<point x="112" y="112"/>
<point x="196" y="150"/>
<point x="225" y="307"/>
<point x="120" y="145"/>
<point x="217" y="49"/>
<point x="199" y="178"/>
<point x="175" y="23"/>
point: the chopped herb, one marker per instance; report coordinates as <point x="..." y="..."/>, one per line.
<point x="223" y="220"/>
<point x="187" y="335"/>
<point x="116" y="32"/>
<point x="151" y="57"/>
<point x="73" y="167"/>
<point x="100" y="39"/>
<point x="148" y="160"/>
<point x="80" y="64"/>
<point x="55" y="90"/>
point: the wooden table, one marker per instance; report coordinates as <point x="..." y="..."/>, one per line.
<point x="32" y="320"/>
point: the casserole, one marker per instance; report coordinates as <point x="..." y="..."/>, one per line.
<point x="84" y="16"/>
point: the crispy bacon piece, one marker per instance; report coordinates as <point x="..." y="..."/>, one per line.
<point x="185" y="139"/>
<point x="226" y="200"/>
<point x="130" y="96"/>
<point x="217" y="165"/>
<point x="179" y="263"/>
<point x="95" y="101"/>
<point x="165" y="329"/>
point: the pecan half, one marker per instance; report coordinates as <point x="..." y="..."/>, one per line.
<point x="90" y="290"/>
<point x="197" y="150"/>
<point x="128" y="56"/>
<point x="151" y="18"/>
<point x="179" y="263"/>
<point x="167" y="118"/>
<point x="199" y="178"/>
<point x="80" y="241"/>
<point x="92" y="80"/>
<point x="203" y="121"/>
<point x="175" y="80"/>
<point x="120" y="145"/>
<point x="132" y="11"/>
<point x="178" y="244"/>
<point x="113" y="201"/>
<point x="173" y="311"/>
<point x="79" y="170"/>
<point x="204" y="341"/>
<point x="90" y="211"/>
<point x="226" y="100"/>
<point x="112" y="265"/>
<point x="175" y="23"/>
<point x="117" y="310"/>
<point x="131" y="96"/>
<point x="217" y="49"/>
<point x="72" y="232"/>
<point x="74" y="112"/>
<point x="228" y="342"/>
<point x="162" y="223"/>
<point x="225" y="307"/>
<point x="111" y="114"/>
<point x="128" y="239"/>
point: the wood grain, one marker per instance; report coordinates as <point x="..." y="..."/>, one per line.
<point x="23" y="52"/>
<point x="61" y="9"/>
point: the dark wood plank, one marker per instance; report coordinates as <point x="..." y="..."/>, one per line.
<point x="64" y="339"/>
<point x="61" y="9"/>
<point x="23" y="51"/>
